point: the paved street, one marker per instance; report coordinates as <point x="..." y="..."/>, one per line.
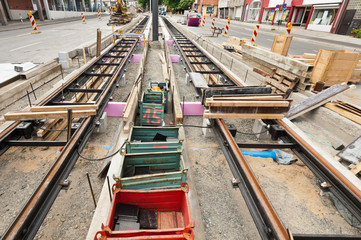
<point x="20" y="45"/>
<point x="304" y="41"/>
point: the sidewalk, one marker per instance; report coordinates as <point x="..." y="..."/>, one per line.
<point x="301" y="32"/>
<point x="14" y="25"/>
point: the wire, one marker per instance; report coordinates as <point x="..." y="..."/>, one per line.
<point x="253" y="133"/>
<point x="103" y="158"/>
<point x="53" y="130"/>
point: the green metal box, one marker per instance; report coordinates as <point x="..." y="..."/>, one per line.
<point x="142" y="140"/>
<point x="146" y="171"/>
<point x="152" y="109"/>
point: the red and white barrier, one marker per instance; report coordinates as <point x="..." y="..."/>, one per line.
<point x="83" y="18"/>
<point x="288" y="30"/>
<point x="255" y="33"/>
<point x="99" y="17"/>
<point x="204" y="21"/>
<point x="33" y="23"/>
<point x="227" y="28"/>
<point x="212" y="26"/>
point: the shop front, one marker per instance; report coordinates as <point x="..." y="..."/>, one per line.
<point x="323" y="17"/>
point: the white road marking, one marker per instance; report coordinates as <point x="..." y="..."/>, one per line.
<point x="315" y="50"/>
<point x="12" y="50"/>
<point x="269" y="39"/>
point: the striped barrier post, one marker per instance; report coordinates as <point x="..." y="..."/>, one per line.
<point x="227" y="28"/>
<point x="255" y="33"/>
<point x="288" y="30"/>
<point x="204" y="21"/>
<point x="83" y="18"/>
<point x="33" y="23"/>
<point x="99" y="17"/>
<point x="212" y="26"/>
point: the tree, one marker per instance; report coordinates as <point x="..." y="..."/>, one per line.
<point x="185" y="4"/>
<point x="172" y="3"/>
<point x="145" y="3"/>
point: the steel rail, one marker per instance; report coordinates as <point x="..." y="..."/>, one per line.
<point x="344" y="189"/>
<point x="267" y="222"/>
<point x="31" y="216"/>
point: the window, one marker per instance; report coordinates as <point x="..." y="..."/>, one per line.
<point x="254" y="9"/>
<point x="323" y="16"/>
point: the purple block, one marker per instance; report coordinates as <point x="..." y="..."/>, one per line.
<point x="136" y="58"/>
<point x="192" y="109"/>
<point x="170" y="42"/>
<point x="115" y="109"/>
<point x="174" y="58"/>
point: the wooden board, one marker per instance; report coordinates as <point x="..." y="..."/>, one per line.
<point x="343" y="112"/>
<point x="242" y="115"/>
<point x="245" y="103"/>
<point x="281" y="44"/>
<point x="47" y="115"/>
<point x="315" y="101"/>
<point x="62" y="108"/>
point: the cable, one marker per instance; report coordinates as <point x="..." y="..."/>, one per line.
<point x="103" y="158"/>
<point x="53" y="130"/>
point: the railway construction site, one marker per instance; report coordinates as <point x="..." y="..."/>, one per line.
<point x="156" y="132"/>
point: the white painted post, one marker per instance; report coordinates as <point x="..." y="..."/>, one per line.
<point x="46" y="5"/>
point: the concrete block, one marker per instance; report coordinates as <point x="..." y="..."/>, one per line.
<point x="122" y="80"/>
<point x="66" y="64"/>
<point x="207" y="132"/>
<point x="102" y="124"/>
<point x="337" y="145"/>
<point x="258" y="127"/>
<point x="187" y="79"/>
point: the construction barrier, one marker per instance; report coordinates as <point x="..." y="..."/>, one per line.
<point x="204" y="21"/>
<point x="83" y="18"/>
<point x="99" y="17"/>
<point x="255" y="33"/>
<point x="227" y="28"/>
<point x="288" y="30"/>
<point x="212" y="26"/>
<point x="33" y="23"/>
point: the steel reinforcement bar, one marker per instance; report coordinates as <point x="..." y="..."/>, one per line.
<point x="89" y="82"/>
<point x="264" y="216"/>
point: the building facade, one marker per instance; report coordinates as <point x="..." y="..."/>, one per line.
<point x="337" y="16"/>
<point x="50" y="9"/>
<point x="206" y="7"/>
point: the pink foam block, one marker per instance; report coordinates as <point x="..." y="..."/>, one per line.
<point x="136" y="58"/>
<point x="174" y="58"/>
<point x="192" y="109"/>
<point x="170" y="42"/>
<point x="115" y="109"/>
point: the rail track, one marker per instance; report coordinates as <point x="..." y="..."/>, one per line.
<point x="267" y="222"/>
<point x="92" y="86"/>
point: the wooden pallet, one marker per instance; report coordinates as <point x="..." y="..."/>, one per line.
<point x="282" y="82"/>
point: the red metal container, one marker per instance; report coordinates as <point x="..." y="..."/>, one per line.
<point x="174" y="220"/>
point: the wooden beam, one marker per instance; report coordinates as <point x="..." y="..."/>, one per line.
<point x="46" y="115"/>
<point x="62" y="108"/>
<point x="356" y="169"/>
<point x="247" y="103"/>
<point x="343" y="112"/>
<point x="242" y="115"/>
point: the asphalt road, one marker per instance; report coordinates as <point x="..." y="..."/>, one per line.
<point x="20" y="45"/>
<point x="300" y="44"/>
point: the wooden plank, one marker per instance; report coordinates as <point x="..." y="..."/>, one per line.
<point x="48" y="125"/>
<point x="256" y="97"/>
<point x="278" y="85"/>
<point x="343" y="112"/>
<point x="246" y="103"/>
<point x="356" y="169"/>
<point x="62" y="108"/>
<point x="46" y="115"/>
<point x="54" y="134"/>
<point x="242" y="115"/>
<point x="315" y="101"/>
